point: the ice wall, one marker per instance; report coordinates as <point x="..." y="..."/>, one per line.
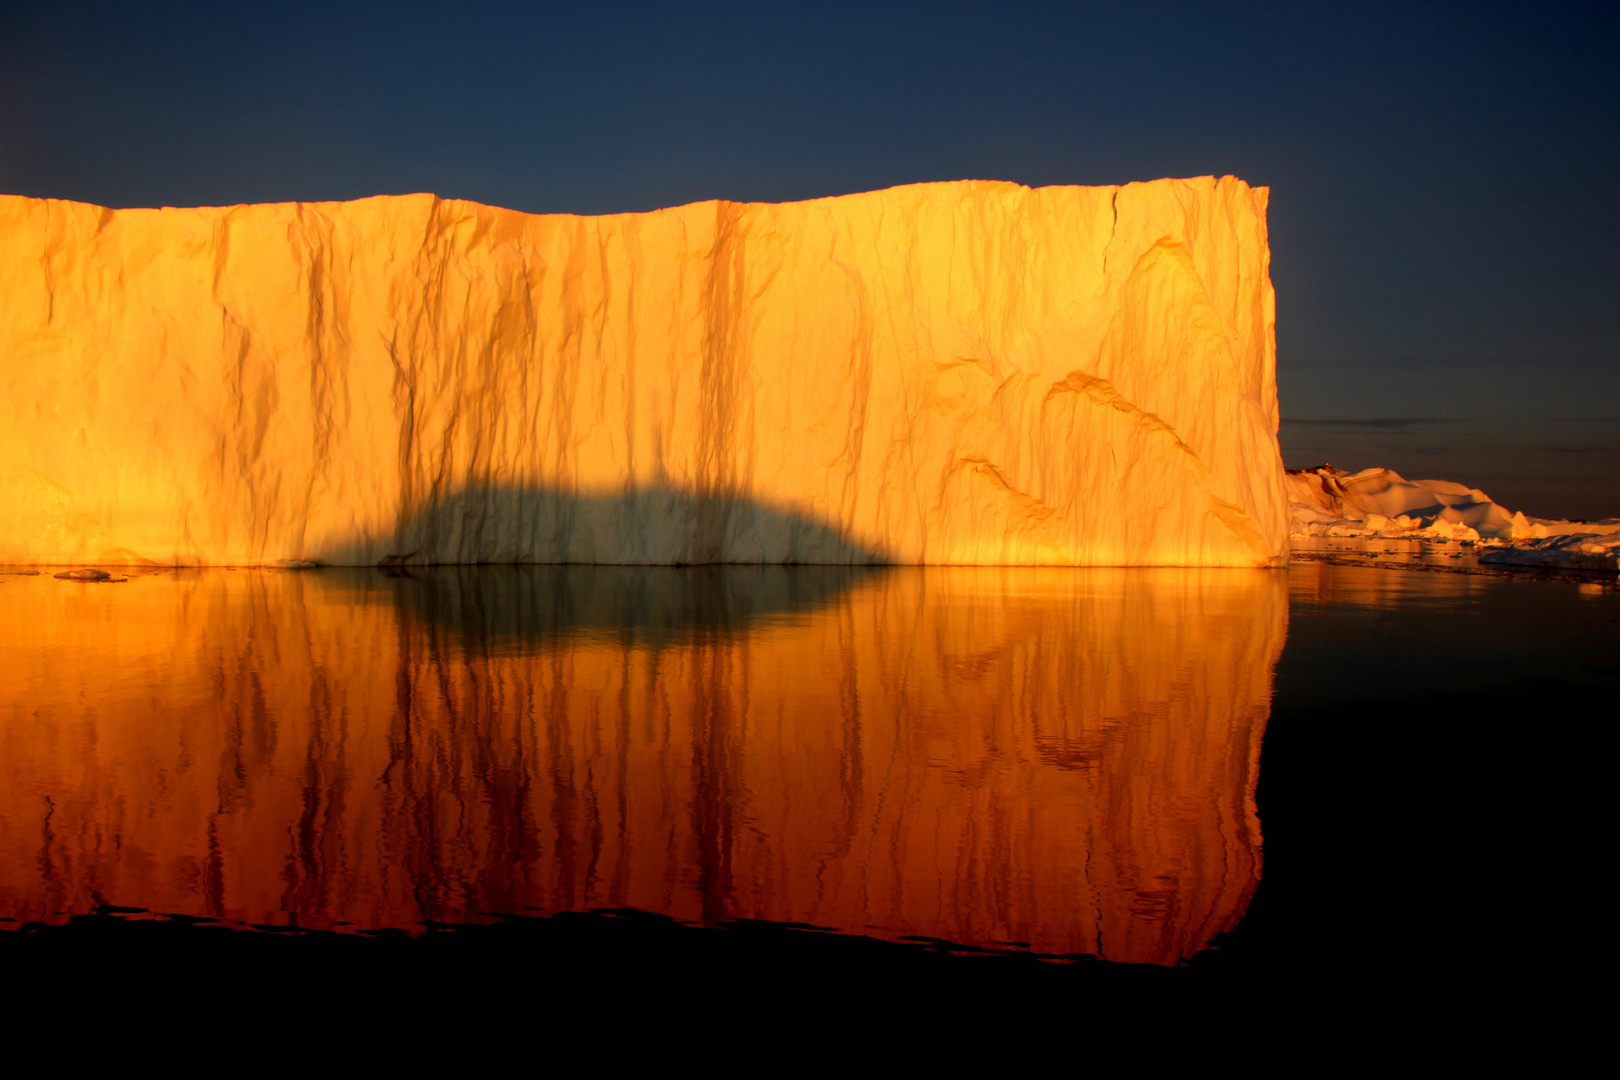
<point x="968" y="372"/>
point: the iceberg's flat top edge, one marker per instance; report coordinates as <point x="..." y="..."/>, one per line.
<point x="1010" y="185"/>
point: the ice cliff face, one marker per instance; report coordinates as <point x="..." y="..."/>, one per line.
<point x="966" y="372"/>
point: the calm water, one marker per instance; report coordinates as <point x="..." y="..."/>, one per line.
<point x="1063" y="759"/>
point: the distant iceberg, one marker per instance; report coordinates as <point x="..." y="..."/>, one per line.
<point x="1380" y="503"/>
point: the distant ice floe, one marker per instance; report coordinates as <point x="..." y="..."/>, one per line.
<point x="1380" y="503"/>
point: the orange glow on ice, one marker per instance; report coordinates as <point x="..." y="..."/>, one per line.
<point x="1066" y="758"/>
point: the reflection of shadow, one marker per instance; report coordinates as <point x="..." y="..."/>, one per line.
<point x="506" y="609"/>
<point x="654" y="526"/>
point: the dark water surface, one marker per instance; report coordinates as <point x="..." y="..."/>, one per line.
<point x="1064" y="762"/>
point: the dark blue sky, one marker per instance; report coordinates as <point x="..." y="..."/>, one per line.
<point x="1444" y="213"/>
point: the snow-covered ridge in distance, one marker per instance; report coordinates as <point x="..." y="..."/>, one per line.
<point x="1380" y="503"/>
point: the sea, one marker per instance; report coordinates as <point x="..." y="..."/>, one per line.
<point x="999" y="776"/>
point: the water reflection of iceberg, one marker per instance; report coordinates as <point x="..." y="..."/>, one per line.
<point x="1065" y="758"/>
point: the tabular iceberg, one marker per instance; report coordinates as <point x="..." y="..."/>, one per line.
<point x="969" y="372"/>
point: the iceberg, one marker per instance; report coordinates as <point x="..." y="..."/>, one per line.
<point x="1380" y="503"/>
<point x="1325" y="501"/>
<point x="953" y="373"/>
<point x="1595" y="549"/>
